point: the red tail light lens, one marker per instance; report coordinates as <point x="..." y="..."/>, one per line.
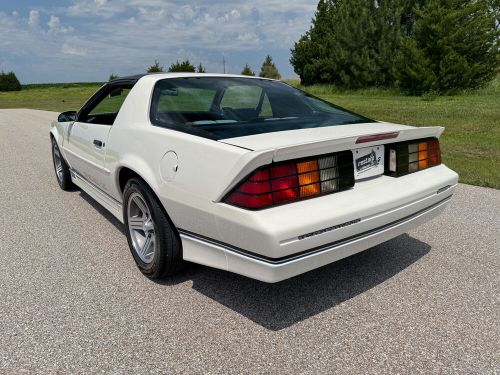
<point x="294" y="180"/>
<point x="412" y="156"/>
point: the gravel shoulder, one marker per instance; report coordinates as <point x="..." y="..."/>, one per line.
<point x="72" y="300"/>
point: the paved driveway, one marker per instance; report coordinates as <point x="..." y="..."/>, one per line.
<point x="72" y="300"/>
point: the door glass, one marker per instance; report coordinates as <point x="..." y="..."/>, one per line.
<point x="107" y="109"/>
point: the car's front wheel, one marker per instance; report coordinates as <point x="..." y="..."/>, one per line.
<point x="152" y="238"/>
<point x="61" y="169"/>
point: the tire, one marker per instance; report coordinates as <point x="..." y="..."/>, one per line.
<point x="152" y="238"/>
<point x="61" y="168"/>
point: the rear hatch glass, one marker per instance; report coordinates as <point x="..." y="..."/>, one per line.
<point x="228" y="107"/>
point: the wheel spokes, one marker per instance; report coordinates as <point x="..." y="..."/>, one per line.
<point x="141" y="227"/>
<point x="149" y="243"/>
<point x="148" y="225"/>
<point x="140" y="205"/>
<point x="136" y="223"/>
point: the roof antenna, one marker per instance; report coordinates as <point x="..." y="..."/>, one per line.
<point x="224" y="62"/>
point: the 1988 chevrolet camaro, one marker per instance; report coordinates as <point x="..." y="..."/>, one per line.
<point x="246" y="174"/>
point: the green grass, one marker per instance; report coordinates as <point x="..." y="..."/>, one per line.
<point x="470" y="143"/>
<point x="51" y="97"/>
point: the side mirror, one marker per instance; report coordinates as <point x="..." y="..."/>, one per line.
<point x="68" y="116"/>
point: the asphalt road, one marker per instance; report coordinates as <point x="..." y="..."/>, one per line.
<point x="72" y="300"/>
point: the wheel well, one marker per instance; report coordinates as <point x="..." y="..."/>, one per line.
<point x="125" y="175"/>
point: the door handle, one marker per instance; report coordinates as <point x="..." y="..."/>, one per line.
<point x="98" y="143"/>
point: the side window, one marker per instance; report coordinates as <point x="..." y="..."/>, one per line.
<point x="185" y="99"/>
<point x="106" y="110"/>
<point x="246" y="99"/>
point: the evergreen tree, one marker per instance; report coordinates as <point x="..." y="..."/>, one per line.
<point x="355" y="48"/>
<point x="247" y="71"/>
<point x="454" y="46"/>
<point x="184" y="66"/>
<point x="310" y="55"/>
<point x="155" y="68"/>
<point x="200" y="69"/>
<point x="9" y="82"/>
<point x="494" y="8"/>
<point x="352" y="43"/>
<point x="268" y="69"/>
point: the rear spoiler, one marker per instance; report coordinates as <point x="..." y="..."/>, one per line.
<point x="250" y="161"/>
<point x="349" y="143"/>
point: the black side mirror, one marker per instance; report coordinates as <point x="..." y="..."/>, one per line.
<point x="67" y="116"/>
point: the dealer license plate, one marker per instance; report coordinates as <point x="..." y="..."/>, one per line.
<point x="368" y="162"/>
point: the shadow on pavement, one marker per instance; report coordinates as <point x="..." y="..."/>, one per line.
<point x="113" y="220"/>
<point x="278" y="306"/>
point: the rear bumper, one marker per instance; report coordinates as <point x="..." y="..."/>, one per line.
<point x="215" y="254"/>
<point x="278" y="243"/>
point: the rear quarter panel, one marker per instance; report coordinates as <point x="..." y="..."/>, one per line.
<point x="203" y="164"/>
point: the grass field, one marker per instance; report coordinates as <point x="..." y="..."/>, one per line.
<point x="470" y="143"/>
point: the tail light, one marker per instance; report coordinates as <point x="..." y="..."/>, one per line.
<point x="408" y="157"/>
<point x="290" y="181"/>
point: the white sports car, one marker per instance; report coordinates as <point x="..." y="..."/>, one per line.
<point x="246" y="174"/>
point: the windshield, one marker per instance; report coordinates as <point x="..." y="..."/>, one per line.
<point x="224" y="107"/>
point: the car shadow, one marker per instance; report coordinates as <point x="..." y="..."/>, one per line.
<point x="113" y="220"/>
<point x="281" y="305"/>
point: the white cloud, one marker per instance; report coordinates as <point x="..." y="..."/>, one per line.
<point x="70" y="50"/>
<point x="248" y="37"/>
<point x="33" y="18"/>
<point x="53" y="22"/>
<point x="55" y="26"/>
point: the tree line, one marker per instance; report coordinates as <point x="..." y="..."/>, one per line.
<point x="267" y="70"/>
<point x="416" y="45"/>
<point x="9" y="82"/>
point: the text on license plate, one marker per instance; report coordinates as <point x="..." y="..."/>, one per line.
<point x="368" y="162"/>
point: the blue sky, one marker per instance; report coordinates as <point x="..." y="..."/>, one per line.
<point x="87" y="40"/>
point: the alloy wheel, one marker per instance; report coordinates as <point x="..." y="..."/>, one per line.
<point x="141" y="227"/>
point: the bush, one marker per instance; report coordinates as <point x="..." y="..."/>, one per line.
<point x="184" y="66"/>
<point x="112" y="76"/>
<point x="9" y="82"/>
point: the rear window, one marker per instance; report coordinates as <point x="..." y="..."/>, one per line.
<point x="223" y="107"/>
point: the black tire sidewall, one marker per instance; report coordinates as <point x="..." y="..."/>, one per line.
<point x="164" y="258"/>
<point x="65" y="182"/>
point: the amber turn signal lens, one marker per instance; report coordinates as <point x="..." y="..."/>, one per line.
<point x="308" y="178"/>
<point x="307" y="191"/>
<point x="307" y="166"/>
